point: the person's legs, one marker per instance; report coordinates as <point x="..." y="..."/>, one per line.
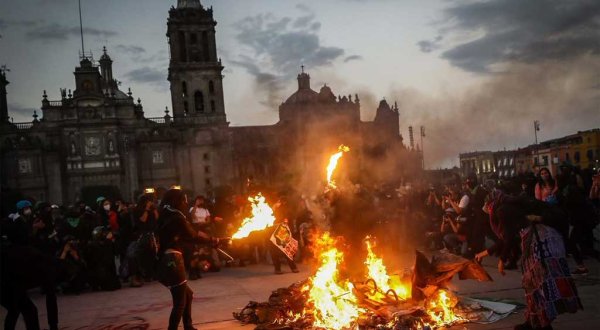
<point x="12" y="312"/>
<point x="178" y="294"/>
<point x="574" y="240"/>
<point x="292" y="265"/>
<point x="451" y="242"/>
<point x="187" y="312"/>
<point x="29" y="311"/>
<point x="275" y="257"/>
<point x="51" y="308"/>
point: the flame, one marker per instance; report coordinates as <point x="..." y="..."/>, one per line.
<point x="333" y="160"/>
<point x="439" y="309"/>
<point x="377" y="271"/>
<point x="331" y="301"/>
<point x="262" y="217"/>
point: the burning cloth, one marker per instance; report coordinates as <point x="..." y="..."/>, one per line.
<point x="430" y="275"/>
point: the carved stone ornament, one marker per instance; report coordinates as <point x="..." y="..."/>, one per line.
<point x="92" y="146"/>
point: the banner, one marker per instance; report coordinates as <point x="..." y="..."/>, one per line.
<point x="283" y="240"/>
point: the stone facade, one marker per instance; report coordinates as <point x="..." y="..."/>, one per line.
<point x="96" y="140"/>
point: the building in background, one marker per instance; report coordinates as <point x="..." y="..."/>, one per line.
<point x="581" y="150"/>
<point x="480" y="163"/>
<point x="95" y="140"/>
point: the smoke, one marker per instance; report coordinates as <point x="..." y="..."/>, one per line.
<point x="563" y="95"/>
<point x="277" y="47"/>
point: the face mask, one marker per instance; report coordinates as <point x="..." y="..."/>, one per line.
<point x="107" y="207"/>
<point x="73" y="222"/>
<point x="27" y="212"/>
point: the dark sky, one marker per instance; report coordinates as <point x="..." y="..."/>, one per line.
<point x="474" y="73"/>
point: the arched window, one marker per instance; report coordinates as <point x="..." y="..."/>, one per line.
<point x="183" y="89"/>
<point x="213" y="107"/>
<point x="211" y="87"/>
<point x="199" y="101"/>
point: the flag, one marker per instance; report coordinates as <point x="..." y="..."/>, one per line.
<point x="536" y="125"/>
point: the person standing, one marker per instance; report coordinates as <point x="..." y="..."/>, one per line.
<point x="200" y="215"/>
<point x="549" y="287"/>
<point x="546" y="189"/>
<point x="143" y="251"/>
<point x="23" y="267"/>
<point x="173" y="232"/>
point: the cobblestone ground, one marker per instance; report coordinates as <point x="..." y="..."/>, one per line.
<point x="217" y="295"/>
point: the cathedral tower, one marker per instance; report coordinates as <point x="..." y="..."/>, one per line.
<point x="195" y="72"/>
<point x="3" y="99"/>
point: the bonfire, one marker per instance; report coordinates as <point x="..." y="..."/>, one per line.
<point x="382" y="301"/>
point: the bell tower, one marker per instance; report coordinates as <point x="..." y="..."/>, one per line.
<point x="3" y="99"/>
<point x="195" y="71"/>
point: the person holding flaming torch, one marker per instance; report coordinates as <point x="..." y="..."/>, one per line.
<point x="173" y="232"/>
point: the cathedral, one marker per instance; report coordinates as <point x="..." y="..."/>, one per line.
<point x="95" y="140"/>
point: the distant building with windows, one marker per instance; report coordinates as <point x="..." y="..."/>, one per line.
<point x="480" y="163"/>
<point x="581" y="149"/>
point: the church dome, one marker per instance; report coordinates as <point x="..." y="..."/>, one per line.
<point x="304" y="93"/>
<point x="302" y="96"/>
<point x="326" y="95"/>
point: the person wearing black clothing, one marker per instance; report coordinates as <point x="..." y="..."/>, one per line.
<point x="145" y="217"/>
<point x="282" y="214"/>
<point x="173" y="232"/>
<point x="24" y="267"/>
<point x="480" y="227"/>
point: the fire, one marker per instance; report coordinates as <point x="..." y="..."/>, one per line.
<point x="331" y="301"/>
<point x="439" y="308"/>
<point x="378" y="273"/>
<point x="333" y="160"/>
<point x="262" y="217"/>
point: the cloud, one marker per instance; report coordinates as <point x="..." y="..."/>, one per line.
<point x="148" y="75"/>
<point x="428" y="46"/>
<point x="130" y="49"/>
<point x="517" y="30"/>
<point x="273" y="49"/>
<point x="56" y="32"/>
<point x="500" y="112"/>
<point x="6" y="23"/>
<point x="20" y="113"/>
<point x="352" y="58"/>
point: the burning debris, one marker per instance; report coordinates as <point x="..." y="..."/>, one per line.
<point x="327" y="300"/>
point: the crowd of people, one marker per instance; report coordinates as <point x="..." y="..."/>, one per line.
<point x="113" y="242"/>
